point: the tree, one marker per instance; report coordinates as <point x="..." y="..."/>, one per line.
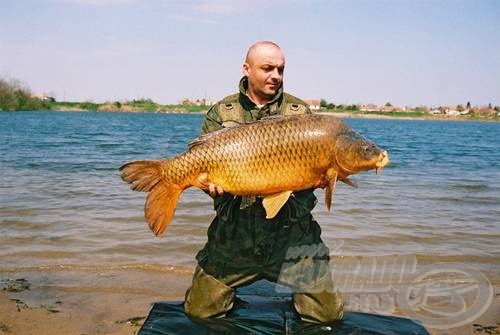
<point x="388" y="104"/>
<point x="15" y="96"/>
<point x="460" y="108"/>
<point x="323" y="103"/>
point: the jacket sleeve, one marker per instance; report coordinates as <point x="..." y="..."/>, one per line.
<point x="212" y="121"/>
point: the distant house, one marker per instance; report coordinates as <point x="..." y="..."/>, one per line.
<point x="314" y="104"/>
<point x="449" y="110"/>
<point x="43" y="97"/>
<point x="390" y="108"/>
<point x="375" y="108"/>
<point x="369" y="108"/>
<point x="197" y="102"/>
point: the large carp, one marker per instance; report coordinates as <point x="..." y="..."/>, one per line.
<point x="270" y="158"/>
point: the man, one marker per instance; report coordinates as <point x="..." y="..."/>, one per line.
<point x="243" y="246"/>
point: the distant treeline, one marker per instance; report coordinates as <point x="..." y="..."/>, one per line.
<point x="14" y="96"/>
<point x="135" y="105"/>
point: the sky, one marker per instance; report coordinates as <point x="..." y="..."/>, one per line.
<point x="413" y="53"/>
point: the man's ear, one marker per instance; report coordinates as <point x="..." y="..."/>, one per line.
<point x="246" y="69"/>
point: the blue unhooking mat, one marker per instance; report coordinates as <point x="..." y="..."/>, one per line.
<point x="260" y="310"/>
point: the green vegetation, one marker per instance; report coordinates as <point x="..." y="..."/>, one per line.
<point x="490" y="112"/>
<point x="135" y="105"/>
<point x="144" y="104"/>
<point x="14" y="97"/>
<point x="413" y="113"/>
<point x="357" y="112"/>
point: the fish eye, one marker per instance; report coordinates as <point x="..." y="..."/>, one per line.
<point x="369" y="148"/>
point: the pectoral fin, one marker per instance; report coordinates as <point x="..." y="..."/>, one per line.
<point x="273" y="203"/>
<point x="330" y="189"/>
<point x="349" y="182"/>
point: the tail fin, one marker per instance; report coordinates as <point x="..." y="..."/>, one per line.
<point x="147" y="176"/>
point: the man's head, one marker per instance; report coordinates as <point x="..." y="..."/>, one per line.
<point x="264" y="67"/>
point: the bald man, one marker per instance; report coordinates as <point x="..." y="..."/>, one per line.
<point x="243" y="246"/>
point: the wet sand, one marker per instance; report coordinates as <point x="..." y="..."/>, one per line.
<point x="98" y="302"/>
<point x="116" y="302"/>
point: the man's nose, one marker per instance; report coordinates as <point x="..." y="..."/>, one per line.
<point x="275" y="74"/>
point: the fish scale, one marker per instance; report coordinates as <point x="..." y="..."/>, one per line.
<point x="270" y="158"/>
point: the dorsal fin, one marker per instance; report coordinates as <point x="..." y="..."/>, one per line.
<point x="271" y="117"/>
<point x="227" y="125"/>
<point x="231" y="124"/>
<point x="205" y="137"/>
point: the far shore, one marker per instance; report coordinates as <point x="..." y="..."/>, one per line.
<point x="341" y="114"/>
<point x="15" y="97"/>
<point x="347" y="115"/>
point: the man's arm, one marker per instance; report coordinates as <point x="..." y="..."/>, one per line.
<point x="212" y="122"/>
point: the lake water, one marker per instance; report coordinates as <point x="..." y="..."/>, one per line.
<point x="63" y="204"/>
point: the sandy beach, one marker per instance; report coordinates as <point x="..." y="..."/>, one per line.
<point x="83" y="302"/>
<point x="116" y="302"/>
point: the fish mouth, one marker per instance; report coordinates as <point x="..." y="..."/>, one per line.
<point x="383" y="160"/>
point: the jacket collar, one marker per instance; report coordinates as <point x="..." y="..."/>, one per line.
<point x="247" y="103"/>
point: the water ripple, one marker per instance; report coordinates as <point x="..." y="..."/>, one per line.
<point x="62" y="200"/>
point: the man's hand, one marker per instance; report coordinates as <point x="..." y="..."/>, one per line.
<point x="206" y="185"/>
<point x="214" y="190"/>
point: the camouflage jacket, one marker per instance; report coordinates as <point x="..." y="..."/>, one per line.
<point x="237" y="109"/>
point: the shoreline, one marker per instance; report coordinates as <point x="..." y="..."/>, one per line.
<point x="341" y="115"/>
<point x="412" y="118"/>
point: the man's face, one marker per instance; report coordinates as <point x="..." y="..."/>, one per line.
<point x="264" y="70"/>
